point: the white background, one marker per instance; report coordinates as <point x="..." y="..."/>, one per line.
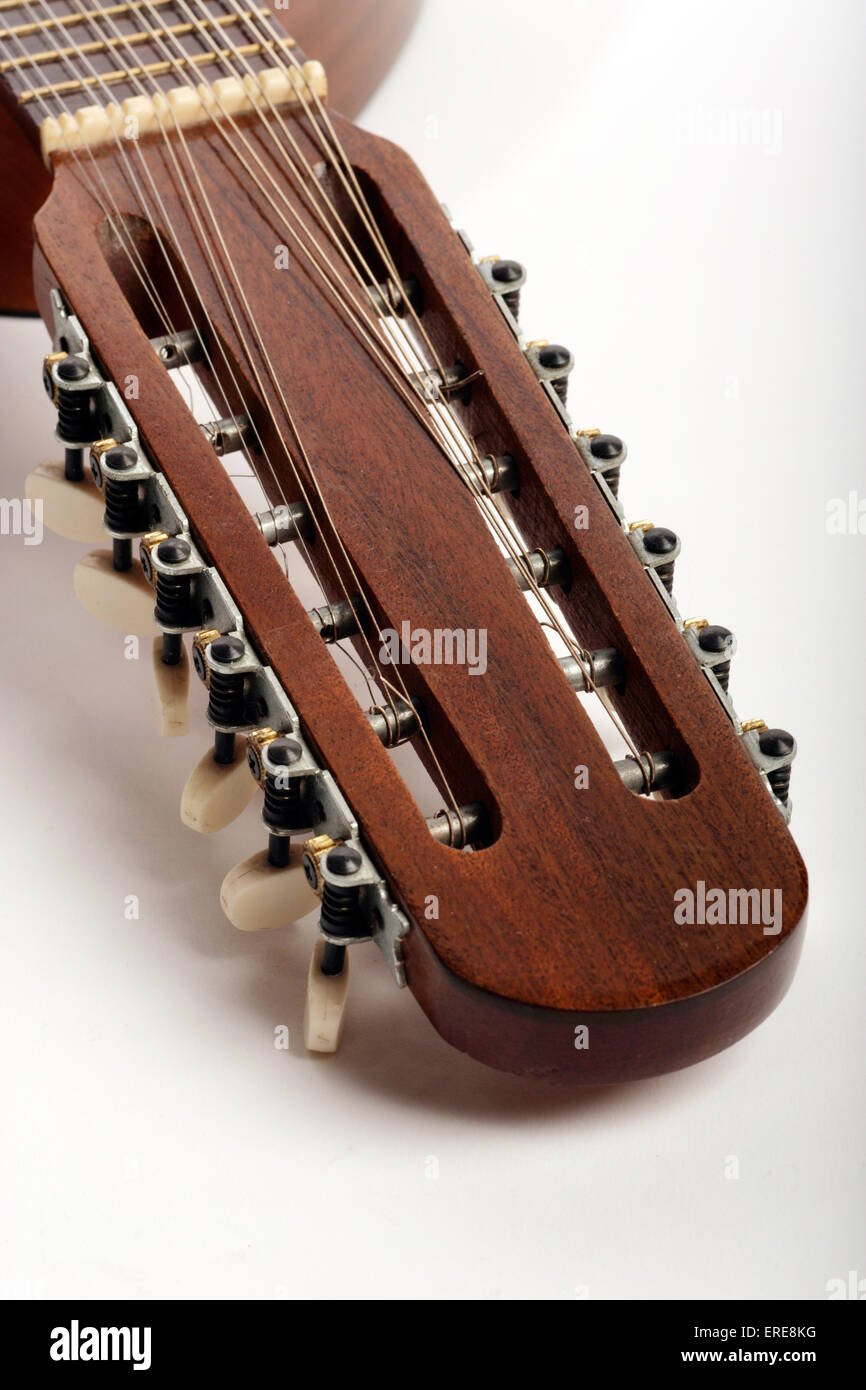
<point x="711" y="284"/>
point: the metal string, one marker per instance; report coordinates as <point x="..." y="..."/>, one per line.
<point x="227" y="298"/>
<point x="470" y="468"/>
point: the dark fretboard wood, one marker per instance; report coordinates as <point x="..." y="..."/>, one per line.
<point x="60" y="56"/>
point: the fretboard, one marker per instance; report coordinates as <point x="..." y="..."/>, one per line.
<point x="59" y="55"/>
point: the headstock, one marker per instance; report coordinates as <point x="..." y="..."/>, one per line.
<point x="420" y="455"/>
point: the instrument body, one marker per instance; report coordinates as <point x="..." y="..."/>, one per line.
<point x="554" y="948"/>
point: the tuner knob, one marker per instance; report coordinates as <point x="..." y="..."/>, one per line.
<point x="216" y="793"/>
<point x="327" y="987"/>
<point x="120" y="599"/>
<point x="69" y="509"/>
<point x="170" y="692"/>
<point x="257" y="896"/>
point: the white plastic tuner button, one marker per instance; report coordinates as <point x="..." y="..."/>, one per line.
<point x="121" y="599"/>
<point x="326" y="1002"/>
<point x="73" y="510"/>
<point x="170" y="693"/>
<point x="216" y="793"/>
<point x="256" y="896"/>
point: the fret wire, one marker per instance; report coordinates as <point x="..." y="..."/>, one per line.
<point x="36" y="26"/>
<point x="103" y="45"/>
<point x="149" y="69"/>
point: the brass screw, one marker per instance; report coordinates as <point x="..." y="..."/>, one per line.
<point x="51" y="359"/>
<point x="753" y="725"/>
<point x="588" y="434"/>
<point x="698" y="623"/>
<point x="153" y="538"/>
<point x="147" y="545"/>
<point x="640" y="526"/>
<point x="257" y="741"/>
<point x="314" y="852"/>
<point x="200" y="644"/>
<point x="102" y="446"/>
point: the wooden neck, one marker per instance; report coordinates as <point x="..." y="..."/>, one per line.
<point x="62" y="55"/>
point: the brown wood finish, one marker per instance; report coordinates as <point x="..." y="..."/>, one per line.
<point x="357" y="40"/>
<point x="567" y="917"/>
<point x="26" y="186"/>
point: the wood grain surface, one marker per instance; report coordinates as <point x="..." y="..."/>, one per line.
<point x="566" y="917"/>
<point x="357" y="42"/>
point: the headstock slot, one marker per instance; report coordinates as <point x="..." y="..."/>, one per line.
<point x="225" y="378"/>
<point x="500" y="426"/>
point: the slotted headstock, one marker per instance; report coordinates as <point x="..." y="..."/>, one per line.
<point x="419" y="453"/>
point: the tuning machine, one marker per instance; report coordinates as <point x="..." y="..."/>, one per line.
<point x="657" y="548"/>
<point x="772" y="751"/>
<point x="219" y="787"/>
<point x="604" y="456"/>
<point x="75" y="387"/>
<point x="284" y="768"/>
<point x="552" y="364"/>
<point x="713" y="646"/>
<point x="505" y="280"/>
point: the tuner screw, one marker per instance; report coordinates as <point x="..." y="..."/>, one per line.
<point x="148" y="543"/>
<point x="200" y="644"/>
<point x="314" y="852"/>
<point x="51" y="360"/>
<point x="256" y="743"/>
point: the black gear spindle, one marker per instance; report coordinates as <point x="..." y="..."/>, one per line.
<point x="555" y="357"/>
<point x="173" y="597"/>
<point x="285" y="807"/>
<point x="778" y="743"/>
<point x="76" y="408"/>
<point x="341" y="903"/>
<point x="608" y="446"/>
<point x="658" y="540"/>
<point x="511" y="277"/>
<point x="718" y="639"/>
<point x="124" y="509"/>
<point x="226" y="695"/>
